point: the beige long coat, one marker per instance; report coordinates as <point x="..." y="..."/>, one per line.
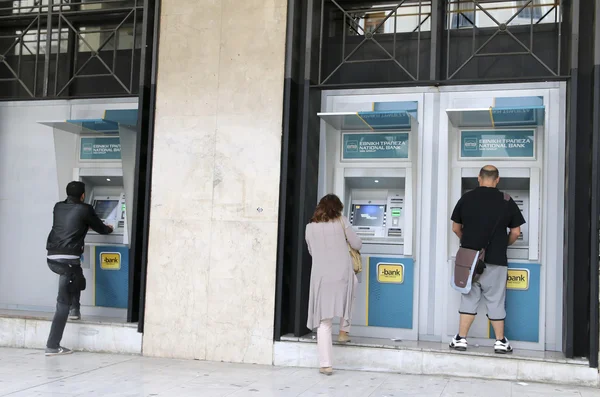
<point x="332" y="277"/>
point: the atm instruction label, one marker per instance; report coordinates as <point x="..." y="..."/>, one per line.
<point x="110" y="261"/>
<point x="518" y="279"/>
<point x="390" y="273"/>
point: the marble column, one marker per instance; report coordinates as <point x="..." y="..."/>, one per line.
<point x="215" y="182"/>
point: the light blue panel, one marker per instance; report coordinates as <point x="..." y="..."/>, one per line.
<point x="98" y="125"/>
<point x="375" y="146"/>
<point x="523" y="307"/>
<point x="384" y="121"/>
<point x="530" y="101"/>
<point x="127" y="117"/>
<point x="524" y="116"/>
<point x="390" y="305"/>
<point x="352" y="122"/>
<point x="112" y="284"/>
<point x="408" y="106"/>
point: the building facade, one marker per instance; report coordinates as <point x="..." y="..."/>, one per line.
<point x="234" y="118"/>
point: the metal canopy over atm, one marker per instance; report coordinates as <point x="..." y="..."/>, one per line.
<point x="370" y="121"/>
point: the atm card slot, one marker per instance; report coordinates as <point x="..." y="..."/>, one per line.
<point x="395" y="233"/>
<point x="365" y="234"/>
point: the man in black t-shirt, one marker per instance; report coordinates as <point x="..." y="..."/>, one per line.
<point x="480" y="220"/>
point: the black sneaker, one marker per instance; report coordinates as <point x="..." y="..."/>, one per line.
<point x="74" y="314"/>
<point x="459" y="344"/>
<point x="61" y="351"/>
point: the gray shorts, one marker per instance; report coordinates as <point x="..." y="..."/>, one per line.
<point x="492" y="286"/>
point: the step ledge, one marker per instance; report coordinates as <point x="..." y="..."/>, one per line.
<point x="32" y="333"/>
<point x="108" y="322"/>
<point x="445" y="350"/>
<point x="418" y="361"/>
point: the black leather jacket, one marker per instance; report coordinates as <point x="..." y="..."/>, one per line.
<point x="72" y="220"/>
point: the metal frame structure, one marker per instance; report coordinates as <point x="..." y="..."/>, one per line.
<point x="61" y="49"/>
<point x="351" y="19"/>
<point x="449" y="44"/>
<point x="502" y="28"/>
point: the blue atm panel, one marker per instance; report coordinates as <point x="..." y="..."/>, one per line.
<point x="390" y="292"/>
<point x="522" y="303"/>
<point x="111" y="284"/>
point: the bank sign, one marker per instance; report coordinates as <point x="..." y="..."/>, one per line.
<point x="390" y="273"/>
<point x="518" y="279"/>
<point x="375" y="146"/>
<point x="499" y="144"/>
<point x="100" y="148"/>
<point x="110" y="261"/>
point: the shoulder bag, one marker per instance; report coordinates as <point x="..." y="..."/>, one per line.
<point x="354" y="254"/>
<point x="469" y="264"/>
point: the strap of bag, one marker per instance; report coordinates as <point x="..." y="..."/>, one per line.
<point x="343" y="228"/>
<point x="506" y="198"/>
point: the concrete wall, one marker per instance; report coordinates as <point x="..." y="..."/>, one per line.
<point x="213" y="223"/>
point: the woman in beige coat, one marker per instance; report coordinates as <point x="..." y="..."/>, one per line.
<point x="332" y="279"/>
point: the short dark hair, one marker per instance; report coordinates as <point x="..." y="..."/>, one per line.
<point x="489" y="172"/>
<point x="330" y="207"/>
<point x="75" y="189"/>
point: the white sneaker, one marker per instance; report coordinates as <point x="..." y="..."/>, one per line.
<point x="458" y="344"/>
<point x="502" y="347"/>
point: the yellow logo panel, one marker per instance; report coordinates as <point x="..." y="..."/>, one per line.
<point x="110" y="261"/>
<point x="391" y="273"/>
<point x="518" y="279"/>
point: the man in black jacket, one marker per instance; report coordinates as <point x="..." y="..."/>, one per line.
<point x="72" y="220"/>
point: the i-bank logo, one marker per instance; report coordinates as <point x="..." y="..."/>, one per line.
<point x="518" y="279"/>
<point x="470" y="143"/>
<point x="390" y="273"/>
<point x="352" y="146"/>
<point x="110" y="261"/>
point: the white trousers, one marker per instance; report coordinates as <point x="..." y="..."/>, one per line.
<point x="324" y="335"/>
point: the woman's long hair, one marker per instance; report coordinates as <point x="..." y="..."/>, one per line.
<point x="330" y="207"/>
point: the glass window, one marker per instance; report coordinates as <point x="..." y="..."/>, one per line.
<point x="463" y="14"/>
<point x="533" y="10"/>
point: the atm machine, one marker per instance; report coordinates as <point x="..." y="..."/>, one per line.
<point x="367" y="159"/>
<point x="512" y="135"/>
<point x="110" y="207"/>
<point x="92" y="151"/>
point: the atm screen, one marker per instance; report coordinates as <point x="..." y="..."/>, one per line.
<point x="368" y="215"/>
<point x="106" y="208"/>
